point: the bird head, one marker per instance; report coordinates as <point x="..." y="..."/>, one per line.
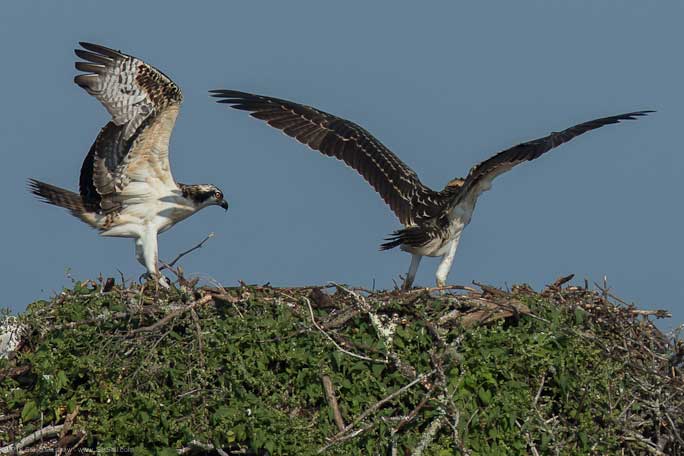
<point x="203" y="195"/>
<point x="455" y="183"/>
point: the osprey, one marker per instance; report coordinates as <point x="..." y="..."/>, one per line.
<point x="433" y="220"/>
<point x="126" y="186"/>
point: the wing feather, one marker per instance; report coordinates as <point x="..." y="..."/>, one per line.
<point x="397" y="184"/>
<point x="143" y="103"/>
<point x="481" y="175"/>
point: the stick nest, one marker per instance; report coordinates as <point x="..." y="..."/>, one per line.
<point x="337" y="370"/>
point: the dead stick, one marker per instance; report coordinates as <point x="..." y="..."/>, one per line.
<point x="48" y="431"/>
<point x="346" y="437"/>
<point x="429" y="435"/>
<point x="382" y="402"/>
<point x="182" y="254"/>
<point x="158" y="324"/>
<point x="313" y="320"/>
<point x="444" y="288"/>
<point x="408" y="418"/>
<point x="68" y="422"/>
<point x="332" y="401"/>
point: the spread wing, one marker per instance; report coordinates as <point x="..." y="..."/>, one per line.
<point x="397" y="184"/>
<point x="481" y="175"/>
<point x="133" y="147"/>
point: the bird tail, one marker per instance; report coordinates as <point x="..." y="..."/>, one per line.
<point x="67" y="199"/>
<point x="414" y="236"/>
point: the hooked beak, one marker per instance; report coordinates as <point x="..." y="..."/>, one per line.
<point x="224" y="204"/>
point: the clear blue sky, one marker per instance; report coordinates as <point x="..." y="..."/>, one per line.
<point x="443" y="84"/>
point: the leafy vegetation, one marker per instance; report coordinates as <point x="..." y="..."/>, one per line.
<point x="243" y="370"/>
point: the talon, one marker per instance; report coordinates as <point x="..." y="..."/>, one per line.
<point x="144" y="277"/>
<point x="165" y="282"/>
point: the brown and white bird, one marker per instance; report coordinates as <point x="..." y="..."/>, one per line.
<point x="433" y="220"/>
<point x="126" y="185"/>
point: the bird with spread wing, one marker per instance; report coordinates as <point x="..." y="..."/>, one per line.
<point x="126" y="186"/>
<point x="433" y="220"/>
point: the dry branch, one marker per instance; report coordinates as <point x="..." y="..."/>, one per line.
<point x="160" y="323"/>
<point x="332" y="401"/>
<point x="182" y="254"/>
<point x="347" y="352"/>
<point x="44" y="433"/>
<point x="343" y="435"/>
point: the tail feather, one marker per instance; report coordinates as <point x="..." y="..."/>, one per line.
<point x="67" y="199"/>
<point x="414" y="236"/>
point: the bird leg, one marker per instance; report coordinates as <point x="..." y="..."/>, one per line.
<point x="445" y="265"/>
<point x="139" y="251"/>
<point x="411" y="275"/>
<point x="148" y="244"/>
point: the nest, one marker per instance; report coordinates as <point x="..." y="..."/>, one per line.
<point x="340" y="370"/>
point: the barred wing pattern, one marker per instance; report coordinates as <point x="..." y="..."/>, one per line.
<point x="482" y="174"/>
<point x="143" y="103"/>
<point x="397" y="184"/>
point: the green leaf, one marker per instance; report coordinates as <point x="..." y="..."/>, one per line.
<point x="485" y="396"/>
<point x="30" y="412"/>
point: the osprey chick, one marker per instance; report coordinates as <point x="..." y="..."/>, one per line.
<point x="126" y="186"/>
<point x="433" y="220"/>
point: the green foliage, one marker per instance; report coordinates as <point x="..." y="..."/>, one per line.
<point x="244" y="372"/>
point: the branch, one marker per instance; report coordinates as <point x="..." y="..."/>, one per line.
<point x="332" y="401"/>
<point x="444" y="288"/>
<point x="158" y="324"/>
<point x="46" y="432"/>
<point x="182" y="254"/>
<point x="343" y="435"/>
<point x="408" y="418"/>
<point x="344" y="438"/>
<point x="313" y="320"/>
<point x="429" y="435"/>
<point x="194" y="444"/>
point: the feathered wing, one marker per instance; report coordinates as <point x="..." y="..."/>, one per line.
<point x="481" y="175"/>
<point x="397" y="184"/>
<point x="133" y="147"/>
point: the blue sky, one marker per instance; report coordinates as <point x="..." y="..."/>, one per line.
<point x="442" y="84"/>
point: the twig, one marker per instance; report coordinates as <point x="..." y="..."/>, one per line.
<point x="203" y="446"/>
<point x="158" y="324"/>
<point x="541" y="386"/>
<point x="313" y="320"/>
<point x="150" y="352"/>
<point x="560" y="281"/>
<point x="650" y="446"/>
<point x="77" y="444"/>
<point x="385" y="332"/>
<point x="46" y="432"/>
<point x="346" y="437"/>
<point x="182" y="254"/>
<point x="659" y="313"/>
<point x="332" y="401"/>
<point x="9" y="416"/>
<point x="444" y="288"/>
<point x="383" y="401"/>
<point x="429" y="435"/>
<point x="408" y="418"/>
<point x="68" y="422"/>
<point x="200" y="343"/>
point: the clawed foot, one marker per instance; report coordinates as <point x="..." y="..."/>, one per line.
<point x="164" y="282"/>
<point x="441" y="284"/>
